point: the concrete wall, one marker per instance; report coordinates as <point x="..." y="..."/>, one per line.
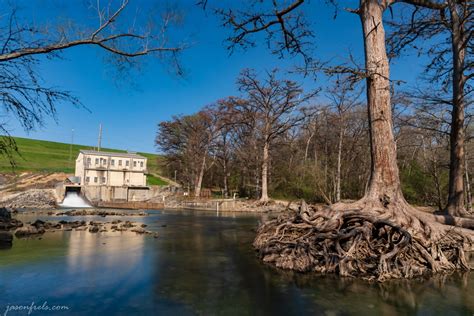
<point x="137" y="179"/>
<point x="115" y="194"/>
<point x="80" y="167"/>
<point x="135" y="194"/>
<point x="60" y="192"/>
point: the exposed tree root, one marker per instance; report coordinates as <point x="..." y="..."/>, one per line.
<point x="361" y="240"/>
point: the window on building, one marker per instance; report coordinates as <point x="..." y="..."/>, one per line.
<point x="112" y="162"/>
<point x="127" y="163"/>
<point x="89" y="161"/>
<point x="95" y="179"/>
<point x="103" y="179"/>
<point x="134" y="163"/>
<point x="120" y="162"/>
<point x="88" y="179"/>
<point x="96" y="161"/>
<point x="141" y="164"/>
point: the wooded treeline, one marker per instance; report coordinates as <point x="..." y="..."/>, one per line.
<point x="320" y="148"/>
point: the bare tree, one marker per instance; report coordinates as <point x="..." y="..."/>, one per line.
<point x="343" y="98"/>
<point x="187" y="140"/>
<point x="273" y="103"/>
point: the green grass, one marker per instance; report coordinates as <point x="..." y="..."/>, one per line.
<point x="153" y="180"/>
<point x="45" y="156"/>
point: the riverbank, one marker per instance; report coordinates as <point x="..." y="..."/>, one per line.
<point x="29" y="191"/>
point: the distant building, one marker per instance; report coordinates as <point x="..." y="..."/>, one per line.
<point x="101" y="168"/>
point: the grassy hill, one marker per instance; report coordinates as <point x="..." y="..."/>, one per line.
<point x="45" y="156"/>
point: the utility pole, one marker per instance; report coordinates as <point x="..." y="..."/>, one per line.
<point x="175" y="175"/>
<point x="100" y="137"/>
<point x="70" y="146"/>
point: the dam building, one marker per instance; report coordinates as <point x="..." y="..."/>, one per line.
<point x="105" y="178"/>
<point x="101" y="168"/>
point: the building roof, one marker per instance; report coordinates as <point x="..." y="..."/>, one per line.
<point x="111" y="154"/>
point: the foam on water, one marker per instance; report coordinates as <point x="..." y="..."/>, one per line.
<point x="73" y="199"/>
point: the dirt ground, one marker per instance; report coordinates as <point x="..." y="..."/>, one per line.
<point x="11" y="183"/>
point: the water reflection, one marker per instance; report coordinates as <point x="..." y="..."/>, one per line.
<point x="438" y="295"/>
<point x="86" y="250"/>
<point x="202" y="264"/>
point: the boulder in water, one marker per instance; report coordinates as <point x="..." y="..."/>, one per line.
<point x="38" y="223"/>
<point x="94" y="229"/>
<point x="139" y="230"/>
<point x="128" y="224"/>
<point x="6" y="220"/>
<point x="5" y="214"/>
<point x="6" y="239"/>
<point x="29" y="230"/>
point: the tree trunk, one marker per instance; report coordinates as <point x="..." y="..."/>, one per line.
<point x="226" y="186"/>
<point x="339" y="158"/>
<point x="197" y="187"/>
<point x="326" y="164"/>
<point x="308" y="142"/>
<point x="439" y="197"/>
<point x="455" y="204"/>
<point x="468" y="187"/>
<point x="265" y="159"/>
<point x="384" y="184"/>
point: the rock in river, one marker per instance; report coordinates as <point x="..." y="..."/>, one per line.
<point x="94" y="229"/>
<point x="138" y="230"/>
<point x="5" y="214"/>
<point x="6" y="224"/>
<point x="29" y="230"/>
<point x="6" y="239"/>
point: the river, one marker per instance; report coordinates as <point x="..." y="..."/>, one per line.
<point x="202" y="263"/>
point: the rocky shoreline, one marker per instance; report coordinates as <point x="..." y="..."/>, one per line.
<point x="98" y="212"/>
<point x="39" y="227"/>
<point x="10" y="226"/>
<point x="30" y="199"/>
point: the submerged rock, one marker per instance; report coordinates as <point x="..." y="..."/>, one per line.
<point x="94" y="229"/>
<point x="29" y="230"/>
<point x="138" y="230"/>
<point x="128" y="224"/>
<point x="38" y="223"/>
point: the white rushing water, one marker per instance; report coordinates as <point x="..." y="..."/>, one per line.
<point x="73" y="199"/>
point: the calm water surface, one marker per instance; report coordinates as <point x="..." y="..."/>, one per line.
<point x="202" y="263"/>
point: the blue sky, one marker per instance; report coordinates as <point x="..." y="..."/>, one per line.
<point x="130" y="115"/>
